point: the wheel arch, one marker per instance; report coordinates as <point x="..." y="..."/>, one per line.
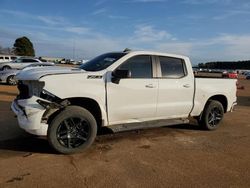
<point x="220" y="98"/>
<point x="9" y="67"/>
<point x="90" y="104"/>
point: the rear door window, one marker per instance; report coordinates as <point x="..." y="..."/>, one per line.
<point x="172" y="67"/>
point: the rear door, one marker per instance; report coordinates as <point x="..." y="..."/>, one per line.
<point x="133" y="99"/>
<point x="176" y="88"/>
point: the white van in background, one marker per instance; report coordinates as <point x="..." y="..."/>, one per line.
<point x="7" y="58"/>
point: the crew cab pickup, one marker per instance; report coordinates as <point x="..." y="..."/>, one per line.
<point x="120" y="90"/>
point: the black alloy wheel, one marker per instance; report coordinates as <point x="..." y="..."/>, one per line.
<point x="72" y="130"/>
<point x="212" y="115"/>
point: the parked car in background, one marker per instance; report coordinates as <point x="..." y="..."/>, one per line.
<point x="82" y="61"/>
<point x="247" y="76"/>
<point x="63" y="61"/>
<point x="245" y="72"/>
<point x="70" y="61"/>
<point x="9" y="76"/>
<point x="230" y="75"/>
<point x="20" y="63"/>
<point x="7" y="58"/>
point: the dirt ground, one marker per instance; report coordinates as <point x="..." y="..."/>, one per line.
<point x="176" y="156"/>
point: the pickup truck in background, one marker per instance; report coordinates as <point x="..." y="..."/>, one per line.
<point x="120" y="90"/>
<point x="21" y="62"/>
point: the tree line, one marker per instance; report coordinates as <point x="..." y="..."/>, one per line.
<point x="22" y="47"/>
<point x="226" y="65"/>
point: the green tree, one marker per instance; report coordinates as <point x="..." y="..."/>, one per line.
<point x="24" y="47"/>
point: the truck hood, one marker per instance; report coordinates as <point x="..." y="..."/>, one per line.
<point x="38" y="72"/>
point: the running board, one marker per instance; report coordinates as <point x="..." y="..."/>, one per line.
<point x="147" y="124"/>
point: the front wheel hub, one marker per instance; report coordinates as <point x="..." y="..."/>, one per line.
<point x="73" y="132"/>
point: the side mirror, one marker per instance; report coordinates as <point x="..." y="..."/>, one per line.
<point x="120" y="73"/>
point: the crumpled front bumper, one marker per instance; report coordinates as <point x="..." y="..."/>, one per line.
<point x="29" y="114"/>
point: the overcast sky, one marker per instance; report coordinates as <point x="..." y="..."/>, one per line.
<point x="205" y="30"/>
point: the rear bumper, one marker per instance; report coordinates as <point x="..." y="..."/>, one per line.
<point x="29" y="115"/>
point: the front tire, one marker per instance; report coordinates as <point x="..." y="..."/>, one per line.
<point x="212" y="115"/>
<point x="72" y="130"/>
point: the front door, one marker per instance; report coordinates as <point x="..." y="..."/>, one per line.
<point x="133" y="99"/>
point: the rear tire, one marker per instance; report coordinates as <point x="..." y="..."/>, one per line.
<point x="72" y="130"/>
<point x="212" y="115"/>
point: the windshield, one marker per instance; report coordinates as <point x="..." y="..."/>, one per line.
<point x="102" y="62"/>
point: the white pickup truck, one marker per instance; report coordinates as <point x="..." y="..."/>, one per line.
<point x="121" y="90"/>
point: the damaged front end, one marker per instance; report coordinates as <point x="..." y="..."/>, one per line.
<point x="51" y="103"/>
<point x="34" y="105"/>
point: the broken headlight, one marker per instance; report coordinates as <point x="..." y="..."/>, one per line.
<point x="48" y="96"/>
<point x="36" y="87"/>
<point x="29" y="88"/>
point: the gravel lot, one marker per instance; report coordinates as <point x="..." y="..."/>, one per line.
<point x="172" y="156"/>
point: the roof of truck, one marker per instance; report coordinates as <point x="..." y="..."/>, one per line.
<point x="140" y="52"/>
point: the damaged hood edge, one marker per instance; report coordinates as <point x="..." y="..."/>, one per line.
<point x="38" y="72"/>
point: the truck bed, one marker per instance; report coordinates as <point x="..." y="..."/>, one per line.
<point x="205" y="87"/>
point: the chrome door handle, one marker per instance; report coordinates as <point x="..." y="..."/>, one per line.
<point x="186" y="85"/>
<point x="149" y="86"/>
